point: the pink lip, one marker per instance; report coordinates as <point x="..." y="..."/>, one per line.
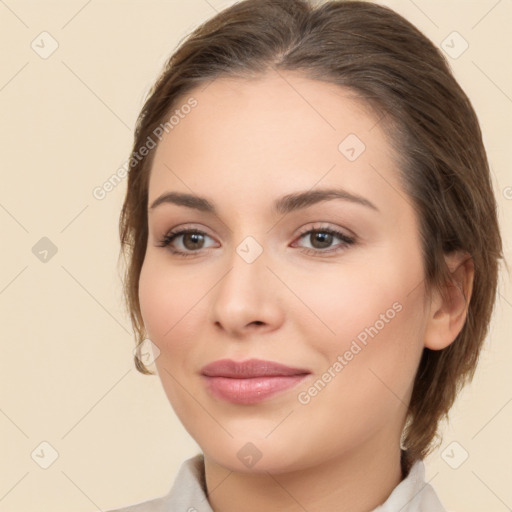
<point x="249" y="381"/>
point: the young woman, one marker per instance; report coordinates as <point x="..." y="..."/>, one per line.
<point x="313" y="253"/>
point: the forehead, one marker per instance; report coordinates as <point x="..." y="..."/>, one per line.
<point x="281" y="131"/>
<point x="272" y="101"/>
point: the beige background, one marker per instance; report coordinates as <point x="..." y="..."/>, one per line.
<point x="66" y="354"/>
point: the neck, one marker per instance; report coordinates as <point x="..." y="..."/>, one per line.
<point x="356" y="482"/>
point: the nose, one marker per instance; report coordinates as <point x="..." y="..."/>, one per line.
<point x="247" y="299"/>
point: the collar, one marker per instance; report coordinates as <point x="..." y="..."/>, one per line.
<point x="188" y="492"/>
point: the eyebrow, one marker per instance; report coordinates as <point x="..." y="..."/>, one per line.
<point x="283" y="205"/>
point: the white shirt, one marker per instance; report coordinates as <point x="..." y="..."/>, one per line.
<point x="188" y="493"/>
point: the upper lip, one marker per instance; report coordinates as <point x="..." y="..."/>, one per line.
<point x="248" y="369"/>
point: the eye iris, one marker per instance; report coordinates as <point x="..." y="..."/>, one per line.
<point x="324" y="238"/>
<point x="196" y="237"/>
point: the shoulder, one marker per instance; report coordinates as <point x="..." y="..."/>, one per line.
<point x="413" y="494"/>
<point x="186" y="494"/>
<point x="152" y="505"/>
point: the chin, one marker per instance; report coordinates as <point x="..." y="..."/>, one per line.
<point x="245" y="456"/>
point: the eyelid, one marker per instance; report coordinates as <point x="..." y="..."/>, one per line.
<point x="346" y="240"/>
<point x="182" y="230"/>
<point x="319" y="226"/>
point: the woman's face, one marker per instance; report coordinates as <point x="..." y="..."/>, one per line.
<point x="277" y="283"/>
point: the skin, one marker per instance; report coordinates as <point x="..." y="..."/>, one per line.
<point x="246" y="144"/>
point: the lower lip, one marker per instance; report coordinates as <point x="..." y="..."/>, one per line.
<point x="250" y="391"/>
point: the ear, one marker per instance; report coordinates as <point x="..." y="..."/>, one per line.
<point x="448" y="314"/>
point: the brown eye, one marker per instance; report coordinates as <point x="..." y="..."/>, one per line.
<point x="192" y="242"/>
<point x="321" y="240"/>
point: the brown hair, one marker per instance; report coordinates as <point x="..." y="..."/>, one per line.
<point x="401" y="75"/>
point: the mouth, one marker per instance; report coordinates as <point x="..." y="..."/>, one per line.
<point x="250" y="381"/>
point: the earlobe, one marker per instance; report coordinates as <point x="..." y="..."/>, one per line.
<point x="448" y="311"/>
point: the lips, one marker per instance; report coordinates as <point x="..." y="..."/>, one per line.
<point x="249" y="369"/>
<point x="249" y="382"/>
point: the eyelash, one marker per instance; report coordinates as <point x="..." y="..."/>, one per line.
<point x="346" y="241"/>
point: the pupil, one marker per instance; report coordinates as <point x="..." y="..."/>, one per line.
<point x="324" y="239"/>
<point x="194" y="237"/>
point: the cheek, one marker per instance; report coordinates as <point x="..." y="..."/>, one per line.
<point x="372" y="316"/>
<point x="171" y="304"/>
<point x="164" y="300"/>
<point x="152" y="303"/>
<point x="342" y="303"/>
<point x="370" y="361"/>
